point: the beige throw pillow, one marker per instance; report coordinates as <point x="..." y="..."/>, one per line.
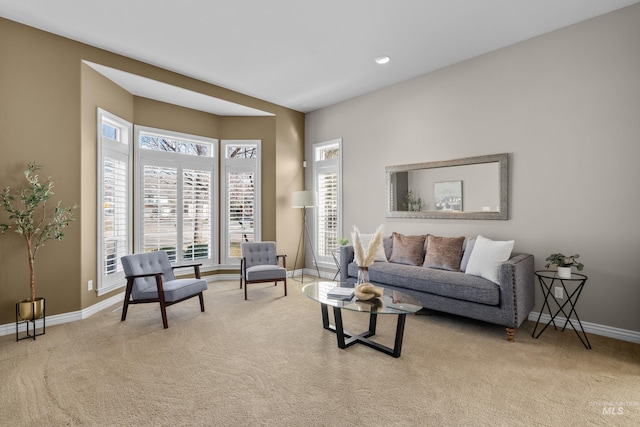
<point x="407" y="249"/>
<point x="444" y="253"/>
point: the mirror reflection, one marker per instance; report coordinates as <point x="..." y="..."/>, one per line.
<point x="469" y="188"/>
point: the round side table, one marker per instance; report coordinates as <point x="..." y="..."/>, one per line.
<point x="571" y="289"/>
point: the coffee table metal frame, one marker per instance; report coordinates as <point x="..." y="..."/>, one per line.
<point x="346" y="338"/>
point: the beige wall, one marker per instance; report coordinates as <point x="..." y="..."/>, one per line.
<point x="96" y="91"/>
<point x="47" y="114"/>
<point x="566" y="105"/>
<point x="40" y="122"/>
<point x="289" y="178"/>
<point x="156" y="114"/>
<point x="259" y="128"/>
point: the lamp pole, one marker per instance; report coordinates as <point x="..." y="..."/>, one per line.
<point x="304" y="200"/>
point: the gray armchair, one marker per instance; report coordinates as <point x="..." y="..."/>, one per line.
<point x="259" y="264"/>
<point x="150" y="279"/>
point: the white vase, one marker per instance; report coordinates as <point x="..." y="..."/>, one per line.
<point x="564" y="272"/>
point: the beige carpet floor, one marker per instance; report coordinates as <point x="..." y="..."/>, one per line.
<point x="268" y="362"/>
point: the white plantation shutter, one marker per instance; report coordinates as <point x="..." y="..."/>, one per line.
<point x="327" y="212"/>
<point x="240" y="196"/>
<point x="115" y="215"/>
<point x="160" y="212"/>
<point x="196" y="223"/>
<point x="177" y="195"/>
<point x="114" y="208"/>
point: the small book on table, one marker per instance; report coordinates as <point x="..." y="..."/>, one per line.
<point x="341" y="293"/>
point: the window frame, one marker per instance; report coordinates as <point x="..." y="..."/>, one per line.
<point x="319" y="167"/>
<point x="238" y="165"/>
<point x="122" y="149"/>
<point x="182" y="162"/>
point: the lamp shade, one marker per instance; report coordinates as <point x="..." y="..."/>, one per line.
<point x="303" y="199"/>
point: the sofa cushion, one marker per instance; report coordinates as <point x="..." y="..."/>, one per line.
<point x="486" y="257"/>
<point x="407" y="249"/>
<point x="444" y="253"/>
<point x="445" y="283"/>
<point x="174" y="290"/>
<point x="265" y="272"/>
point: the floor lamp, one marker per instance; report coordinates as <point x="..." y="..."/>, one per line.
<point x="304" y="200"/>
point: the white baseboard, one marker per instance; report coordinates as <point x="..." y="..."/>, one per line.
<point x="298" y="272"/>
<point x="59" y="319"/>
<point x="592" y="328"/>
<point x="223" y="277"/>
<point x="312" y="272"/>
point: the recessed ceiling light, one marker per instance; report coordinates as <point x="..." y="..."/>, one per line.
<point x="382" y="59"/>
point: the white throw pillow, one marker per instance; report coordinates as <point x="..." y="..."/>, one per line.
<point x="486" y="257"/>
<point x="365" y="239"/>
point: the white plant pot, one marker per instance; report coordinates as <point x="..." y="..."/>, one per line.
<point x="564" y="272"/>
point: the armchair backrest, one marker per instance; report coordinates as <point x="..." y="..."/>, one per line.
<point x="259" y="253"/>
<point x="146" y="263"/>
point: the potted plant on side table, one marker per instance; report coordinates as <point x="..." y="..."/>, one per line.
<point x="564" y="264"/>
<point x="30" y="217"/>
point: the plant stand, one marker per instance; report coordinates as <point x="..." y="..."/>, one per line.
<point x="33" y="320"/>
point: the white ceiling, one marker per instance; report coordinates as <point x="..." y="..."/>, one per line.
<point x="302" y="54"/>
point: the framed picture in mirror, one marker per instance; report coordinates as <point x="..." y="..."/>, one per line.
<point x="448" y="196"/>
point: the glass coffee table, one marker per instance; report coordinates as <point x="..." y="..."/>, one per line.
<point x="392" y="302"/>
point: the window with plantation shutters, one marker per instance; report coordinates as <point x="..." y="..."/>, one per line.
<point x="327" y="212"/>
<point x="240" y="197"/>
<point x="176" y="198"/>
<point x="241" y="220"/>
<point x="160" y="210"/>
<point x="197" y="200"/>
<point x="328" y="216"/>
<point x="115" y="214"/>
<point x="114" y="200"/>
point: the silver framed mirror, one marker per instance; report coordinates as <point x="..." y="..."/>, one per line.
<point x="467" y="188"/>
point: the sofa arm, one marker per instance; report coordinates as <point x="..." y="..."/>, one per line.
<point x="517" y="286"/>
<point x="346" y="258"/>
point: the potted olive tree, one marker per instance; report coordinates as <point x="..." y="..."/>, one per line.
<point x="36" y="223"/>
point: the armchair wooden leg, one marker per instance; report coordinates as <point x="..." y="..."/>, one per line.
<point x="201" y="301"/>
<point x="124" y="310"/>
<point x="163" y="310"/>
<point x="285" y="286"/>
<point x="127" y="296"/>
<point x="242" y="273"/>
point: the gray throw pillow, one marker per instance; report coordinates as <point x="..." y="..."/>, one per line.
<point x="467" y="254"/>
<point x="387" y="243"/>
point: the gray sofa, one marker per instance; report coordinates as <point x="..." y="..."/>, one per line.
<point x="507" y="303"/>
